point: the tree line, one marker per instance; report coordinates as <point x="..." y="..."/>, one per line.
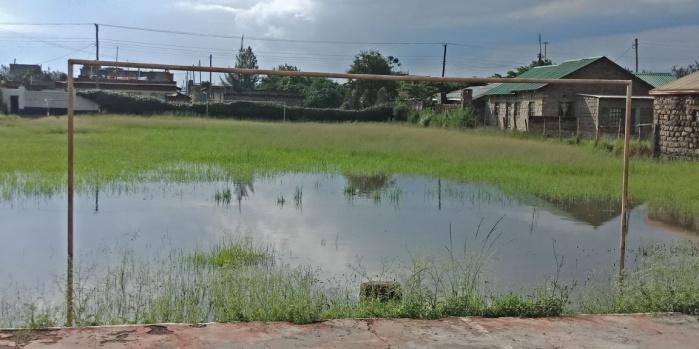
<point x="327" y="93"/>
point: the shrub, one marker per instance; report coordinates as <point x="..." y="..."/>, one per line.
<point x="425" y="118"/>
<point x="616" y="146"/>
<point x="401" y="112"/>
<point x="413" y="116"/>
<point x="456" y="118"/>
<point x="117" y="103"/>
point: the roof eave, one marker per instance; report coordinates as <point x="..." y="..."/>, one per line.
<point x="673" y="92"/>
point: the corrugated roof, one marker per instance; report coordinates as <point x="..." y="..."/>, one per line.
<point x="477" y="92"/>
<point x="657" y="79"/>
<point x="546" y="72"/>
<point x="686" y="85"/>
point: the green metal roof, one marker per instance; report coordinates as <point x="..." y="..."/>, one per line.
<point x="546" y="72"/>
<point x="657" y="79"/>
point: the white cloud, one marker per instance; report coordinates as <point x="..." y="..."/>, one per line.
<point x="270" y="16"/>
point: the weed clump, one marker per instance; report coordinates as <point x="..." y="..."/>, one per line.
<point x="666" y="280"/>
<point x="234" y="254"/>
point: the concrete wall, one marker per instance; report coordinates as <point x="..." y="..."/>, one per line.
<point x="676" y="116"/>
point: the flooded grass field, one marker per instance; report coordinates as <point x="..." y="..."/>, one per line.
<point x="192" y="220"/>
<point x="343" y="230"/>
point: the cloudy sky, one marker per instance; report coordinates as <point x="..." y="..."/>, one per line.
<point x="485" y="36"/>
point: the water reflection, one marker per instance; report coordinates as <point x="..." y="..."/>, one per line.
<point x="367" y="186"/>
<point x="309" y="219"/>
<point x="593" y="212"/>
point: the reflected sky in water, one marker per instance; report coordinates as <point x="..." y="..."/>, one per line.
<point x="329" y="221"/>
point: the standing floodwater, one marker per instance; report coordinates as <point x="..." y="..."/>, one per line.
<point x="339" y="224"/>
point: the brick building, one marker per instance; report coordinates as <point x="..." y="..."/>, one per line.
<point x="677" y="118"/>
<point x="586" y="110"/>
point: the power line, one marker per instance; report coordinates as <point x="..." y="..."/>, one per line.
<point x="51" y="43"/>
<point x="45" y="23"/>
<point x="67" y="54"/>
<point x="178" y="32"/>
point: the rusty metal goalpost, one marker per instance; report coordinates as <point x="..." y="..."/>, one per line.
<point x="70" y="88"/>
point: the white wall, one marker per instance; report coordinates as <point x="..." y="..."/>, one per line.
<point x="57" y="98"/>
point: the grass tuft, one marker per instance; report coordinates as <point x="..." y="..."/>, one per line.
<point x="235" y="254"/>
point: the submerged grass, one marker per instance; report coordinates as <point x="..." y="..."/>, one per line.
<point x="122" y="148"/>
<point x="180" y="289"/>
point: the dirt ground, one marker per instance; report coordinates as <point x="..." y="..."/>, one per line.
<point x="587" y="331"/>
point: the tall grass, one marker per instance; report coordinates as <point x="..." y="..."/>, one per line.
<point x="666" y="280"/>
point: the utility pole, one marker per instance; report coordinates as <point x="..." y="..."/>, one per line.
<point x="444" y="60"/>
<point x="635" y="47"/>
<point x="97" y="41"/>
<point x="546" y="49"/>
<point x="211" y="64"/>
<point x="443" y="94"/>
<point x="200" y="72"/>
<point x="540" y="60"/>
<point x="117" y="53"/>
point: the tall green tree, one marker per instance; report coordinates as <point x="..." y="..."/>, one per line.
<point x="243" y="82"/>
<point x="295" y="84"/>
<point x="323" y="93"/>
<point x="364" y="93"/>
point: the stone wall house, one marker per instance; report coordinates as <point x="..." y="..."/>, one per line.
<point x="566" y="109"/>
<point x="677" y="118"/>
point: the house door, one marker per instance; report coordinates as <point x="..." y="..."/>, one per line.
<point x="14" y="104"/>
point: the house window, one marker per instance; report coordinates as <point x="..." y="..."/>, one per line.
<point x="615" y="115"/>
<point x="530" y="109"/>
<point x="696" y="115"/>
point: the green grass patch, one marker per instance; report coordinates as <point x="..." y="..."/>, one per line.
<point x="235" y="254"/>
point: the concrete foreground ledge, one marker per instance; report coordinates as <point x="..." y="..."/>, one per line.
<point x="587" y="331"/>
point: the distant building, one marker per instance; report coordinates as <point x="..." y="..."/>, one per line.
<point x="468" y="97"/>
<point x="135" y="83"/>
<point x="586" y="110"/>
<point x="19" y="71"/>
<point x="22" y="101"/>
<point x="29" y="91"/>
<point x="677" y="118"/>
<point x="225" y="94"/>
